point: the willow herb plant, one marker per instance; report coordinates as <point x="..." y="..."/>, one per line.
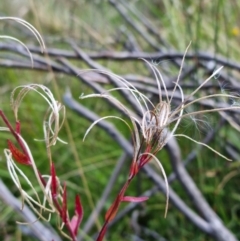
<point x="157" y="125"/>
<point x="53" y="190"/>
<point x="151" y="133"/>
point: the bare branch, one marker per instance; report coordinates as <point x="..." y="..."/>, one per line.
<point x="216" y="226"/>
<point x="127" y="56"/>
<point x="42" y="232"/>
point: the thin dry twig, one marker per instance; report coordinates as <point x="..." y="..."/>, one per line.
<point x="42" y="232"/>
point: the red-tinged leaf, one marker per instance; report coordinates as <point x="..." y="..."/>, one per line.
<point x="54" y="181"/>
<point x="64" y="204"/>
<point x="19" y="156"/>
<point x="77" y="218"/>
<point x="144" y="159"/>
<point x="78" y="206"/>
<point x="134" y="199"/>
<point x="102" y="232"/>
<point x="112" y="211"/>
<point x="18" y="127"/>
<point x="133" y="169"/>
<point x="74" y="224"/>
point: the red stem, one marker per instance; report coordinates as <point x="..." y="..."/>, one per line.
<point x="134" y="169"/>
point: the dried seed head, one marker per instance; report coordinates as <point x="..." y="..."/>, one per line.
<point x="154" y="125"/>
<point x="162" y="112"/>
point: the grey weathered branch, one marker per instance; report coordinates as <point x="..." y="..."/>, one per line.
<point x="127" y="56"/>
<point x="217" y="228"/>
<point x="38" y="230"/>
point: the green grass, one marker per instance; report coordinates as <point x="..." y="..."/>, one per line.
<point x="211" y="26"/>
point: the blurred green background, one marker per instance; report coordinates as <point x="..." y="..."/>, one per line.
<point x="212" y="26"/>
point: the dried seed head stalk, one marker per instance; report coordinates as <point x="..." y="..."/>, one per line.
<point x="25" y="156"/>
<point x="28" y="26"/>
<point x="52" y="122"/>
